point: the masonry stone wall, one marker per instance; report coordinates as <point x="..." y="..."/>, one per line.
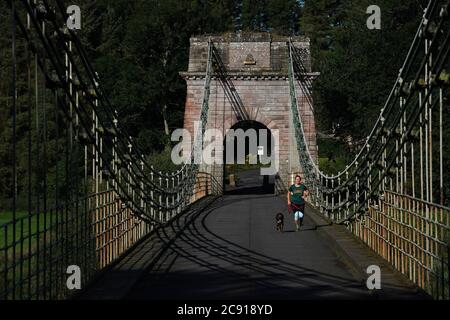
<point x="263" y="87"/>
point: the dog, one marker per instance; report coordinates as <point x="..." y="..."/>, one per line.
<point x="279" y="218"/>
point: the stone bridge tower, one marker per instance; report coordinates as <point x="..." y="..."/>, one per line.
<point x="257" y="66"/>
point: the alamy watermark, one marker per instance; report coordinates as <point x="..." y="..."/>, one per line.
<point x="374" y="280"/>
<point x="374" y="20"/>
<point x="212" y="147"/>
<point x="74" y="20"/>
<point x="74" y="280"/>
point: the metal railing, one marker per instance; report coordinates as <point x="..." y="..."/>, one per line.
<point x="414" y="236"/>
<point x="403" y="155"/>
<point x="230" y="91"/>
<point x="81" y="193"/>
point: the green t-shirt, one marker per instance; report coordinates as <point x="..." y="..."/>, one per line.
<point x="297" y="193"/>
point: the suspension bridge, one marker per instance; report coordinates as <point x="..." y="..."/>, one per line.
<point x="138" y="233"/>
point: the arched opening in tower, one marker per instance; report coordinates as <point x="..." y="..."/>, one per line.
<point x="247" y="151"/>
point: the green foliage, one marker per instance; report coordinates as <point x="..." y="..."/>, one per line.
<point x="276" y="16"/>
<point x="162" y="161"/>
<point x="23" y="228"/>
<point x="333" y="155"/>
<point x="358" y="66"/>
<point x="138" y="48"/>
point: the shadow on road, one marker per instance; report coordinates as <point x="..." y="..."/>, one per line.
<point x="201" y="264"/>
<point x="251" y="182"/>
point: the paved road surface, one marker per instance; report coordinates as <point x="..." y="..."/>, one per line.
<point x="231" y="250"/>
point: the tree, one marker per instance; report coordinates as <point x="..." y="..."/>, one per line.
<point x="276" y="16"/>
<point x="283" y="16"/>
<point x="358" y="66"/>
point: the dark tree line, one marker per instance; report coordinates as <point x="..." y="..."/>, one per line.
<point x="138" y="48"/>
<point x="358" y="66"/>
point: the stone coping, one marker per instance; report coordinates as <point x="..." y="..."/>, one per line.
<point x="247" y="75"/>
<point x="247" y="37"/>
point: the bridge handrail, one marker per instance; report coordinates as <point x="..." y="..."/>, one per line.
<point x="362" y="165"/>
<point x="386" y="104"/>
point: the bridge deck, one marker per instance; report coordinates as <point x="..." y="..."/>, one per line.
<point x="231" y="250"/>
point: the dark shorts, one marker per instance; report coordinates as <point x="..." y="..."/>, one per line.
<point x="296" y="207"/>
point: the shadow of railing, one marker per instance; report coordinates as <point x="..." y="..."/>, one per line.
<point x="91" y="234"/>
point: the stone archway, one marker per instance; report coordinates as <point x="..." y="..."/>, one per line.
<point x="262" y="86"/>
<point x="254" y="115"/>
<point x="244" y="169"/>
